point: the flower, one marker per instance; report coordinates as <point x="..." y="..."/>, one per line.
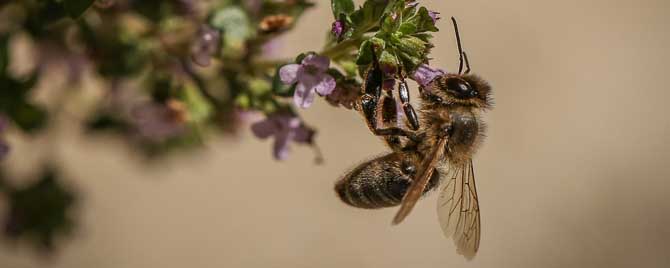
<point x="311" y="76"/>
<point x="434" y="15"/>
<point x="424" y="74"/>
<point x="275" y="23"/>
<point x="205" y="46"/>
<point x="285" y="128"/>
<point x="346" y="94"/>
<point x="157" y="122"/>
<point x="4" y="147"/>
<point x="338" y="28"/>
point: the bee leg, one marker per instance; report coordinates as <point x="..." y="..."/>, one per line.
<point x="370" y="101"/>
<point x="403" y="92"/>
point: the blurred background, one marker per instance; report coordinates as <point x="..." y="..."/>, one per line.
<point x="573" y="173"/>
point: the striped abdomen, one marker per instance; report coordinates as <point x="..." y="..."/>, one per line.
<point x="380" y="182"/>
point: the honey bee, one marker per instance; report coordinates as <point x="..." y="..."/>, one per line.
<point x="439" y="152"/>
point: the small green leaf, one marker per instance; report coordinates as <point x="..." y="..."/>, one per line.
<point x="75" y="8"/>
<point x="342" y="7"/>
<point x="365" y="53"/>
<point x="388" y="62"/>
<point x="423" y="21"/>
<point x="368" y="17"/>
<point x="28" y="117"/>
<point x="199" y="109"/>
<point x="235" y="24"/>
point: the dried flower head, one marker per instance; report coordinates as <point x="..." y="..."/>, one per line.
<point x="275" y="23"/>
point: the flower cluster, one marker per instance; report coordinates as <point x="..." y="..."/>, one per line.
<point x="175" y="71"/>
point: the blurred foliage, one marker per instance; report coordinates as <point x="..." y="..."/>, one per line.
<point x="175" y="71"/>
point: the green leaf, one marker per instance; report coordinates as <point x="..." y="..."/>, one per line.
<point x="75" y="8"/>
<point x="199" y="109"/>
<point x="28" y="117"/>
<point x="368" y="17"/>
<point x="388" y="61"/>
<point x="342" y="7"/>
<point x="235" y="24"/>
<point x="365" y="53"/>
<point x="423" y="21"/>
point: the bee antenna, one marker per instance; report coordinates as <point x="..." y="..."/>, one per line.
<point x="460" y="48"/>
<point x="467" y="63"/>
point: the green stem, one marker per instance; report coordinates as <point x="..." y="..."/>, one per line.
<point x="340" y="48"/>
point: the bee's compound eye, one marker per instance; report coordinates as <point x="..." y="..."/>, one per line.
<point x="408" y="168"/>
<point x="460" y="88"/>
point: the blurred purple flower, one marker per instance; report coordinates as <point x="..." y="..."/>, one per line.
<point x="156" y="122"/>
<point x="285" y="128"/>
<point x="205" y="46"/>
<point x="254" y="6"/>
<point x="271" y="49"/>
<point x="311" y="76"/>
<point x="424" y="74"/>
<point x="4" y="147"/>
<point x="338" y="28"/>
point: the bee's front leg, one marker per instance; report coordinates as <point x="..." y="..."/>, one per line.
<point x="372" y="104"/>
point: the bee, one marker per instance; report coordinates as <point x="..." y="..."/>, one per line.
<point x="439" y="152"/>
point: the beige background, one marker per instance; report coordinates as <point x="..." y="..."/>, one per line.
<point x="573" y="174"/>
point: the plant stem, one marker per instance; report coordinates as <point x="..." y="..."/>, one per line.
<point x="341" y="49"/>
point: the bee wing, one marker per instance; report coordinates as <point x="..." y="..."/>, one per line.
<point x="458" y="209"/>
<point x="420" y="180"/>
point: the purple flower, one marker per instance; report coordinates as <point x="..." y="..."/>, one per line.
<point x="311" y="76"/>
<point x="156" y="122"/>
<point x="424" y="74"/>
<point x="271" y="49"/>
<point x="338" y="28"/>
<point x="205" y="46"/>
<point x="4" y="147"/>
<point x="285" y="128"/>
<point x="434" y="15"/>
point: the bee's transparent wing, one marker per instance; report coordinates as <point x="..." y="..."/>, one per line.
<point x="458" y="209"/>
<point x="420" y="181"/>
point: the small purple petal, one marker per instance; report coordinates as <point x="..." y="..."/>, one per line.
<point x="424" y="74"/>
<point x="289" y="73"/>
<point x="303" y="134"/>
<point x="326" y="85"/>
<point x="3" y="123"/>
<point x="434" y="15"/>
<point x="271" y="48"/>
<point x="4" y="149"/>
<point x="264" y="129"/>
<point x="280" y="149"/>
<point x="320" y="63"/>
<point x="304" y="95"/>
<point x="291" y="122"/>
<point x="338" y="28"/>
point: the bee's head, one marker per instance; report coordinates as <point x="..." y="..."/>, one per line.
<point x="462" y="88"/>
<point x="466" y="89"/>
